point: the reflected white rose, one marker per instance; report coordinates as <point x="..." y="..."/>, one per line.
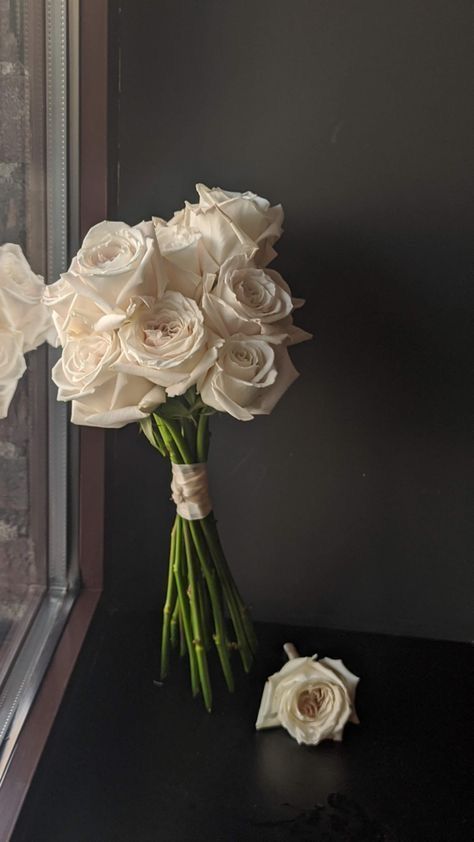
<point x="249" y="377"/>
<point x="12" y="366"/>
<point x="21" y="306"/>
<point x="115" y="263"/>
<point x="233" y="223"/>
<point x="312" y="699"/>
<point x="167" y="342"/>
<point x="247" y="299"/>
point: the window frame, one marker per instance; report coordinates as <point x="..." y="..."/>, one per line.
<point x="85" y="53"/>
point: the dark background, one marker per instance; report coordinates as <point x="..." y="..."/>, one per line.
<point x="350" y="506"/>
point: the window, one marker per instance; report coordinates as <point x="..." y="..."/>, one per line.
<point x="38" y="569"/>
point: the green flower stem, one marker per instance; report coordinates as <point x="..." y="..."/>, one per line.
<point x="146" y="426"/>
<point x="179" y="557"/>
<point x="220" y="636"/>
<point x="182" y="639"/>
<point x="204" y="608"/>
<point x="188" y="430"/>
<point x="202" y="438"/>
<point x="174" y="621"/>
<point x="167" y="609"/>
<point x="197" y="621"/>
<point x="167" y="439"/>
<point x="179" y="442"/>
<point x="243" y="610"/>
<point x="201" y="589"/>
<point x="210" y="526"/>
<point x="226" y="583"/>
<point x="159" y="441"/>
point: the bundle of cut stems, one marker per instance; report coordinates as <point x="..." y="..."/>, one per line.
<point x="203" y="607"/>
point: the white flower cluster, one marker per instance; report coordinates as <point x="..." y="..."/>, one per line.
<point x="25" y="322"/>
<point x="146" y="312"/>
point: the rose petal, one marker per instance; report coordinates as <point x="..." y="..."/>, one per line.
<point x="117" y="402"/>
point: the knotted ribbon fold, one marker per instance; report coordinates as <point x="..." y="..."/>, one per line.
<point x="190" y="490"/>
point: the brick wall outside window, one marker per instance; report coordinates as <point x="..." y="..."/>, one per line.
<point x="17" y="558"/>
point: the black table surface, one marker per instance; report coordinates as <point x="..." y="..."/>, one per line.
<point x="130" y="760"/>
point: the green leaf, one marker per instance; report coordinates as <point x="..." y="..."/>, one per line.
<point x="190" y="396"/>
<point x="173" y="410"/>
<point x="146" y="426"/>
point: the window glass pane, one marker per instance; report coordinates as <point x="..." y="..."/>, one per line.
<point x="38" y="579"/>
<point x="23" y="574"/>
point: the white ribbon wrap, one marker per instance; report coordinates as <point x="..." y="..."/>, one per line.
<point x="190" y="490"/>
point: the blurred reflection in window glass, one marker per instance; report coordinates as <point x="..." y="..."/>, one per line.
<point x="23" y="466"/>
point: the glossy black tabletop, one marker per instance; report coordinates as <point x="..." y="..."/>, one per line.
<point x="130" y="760"/>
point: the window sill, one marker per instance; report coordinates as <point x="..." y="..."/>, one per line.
<point x="31" y="741"/>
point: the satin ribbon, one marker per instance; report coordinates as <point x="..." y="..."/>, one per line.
<point x="190" y="491"/>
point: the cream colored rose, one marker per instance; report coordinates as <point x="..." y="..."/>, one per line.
<point x="21" y="306"/>
<point x="312" y="699"/>
<point x="249" y="377"/>
<point x="167" y="342"/>
<point x="117" y="402"/>
<point x="233" y="223"/>
<point x="73" y="315"/>
<point x="246" y="299"/>
<point x="115" y="263"/>
<point x="85" y="364"/>
<point x="185" y="259"/>
<point x="101" y="397"/>
<point x="12" y="366"/>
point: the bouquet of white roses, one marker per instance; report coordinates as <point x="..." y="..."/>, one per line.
<point x="165" y="323"/>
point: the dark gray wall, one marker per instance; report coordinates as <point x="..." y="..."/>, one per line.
<point x="350" y="505"/>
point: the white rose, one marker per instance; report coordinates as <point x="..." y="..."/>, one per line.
<point x="100" y="396"/>
<point x="233" y="223"/>
<point x="21" y="292"/>
<point x="117" y="402"/>
<point x="12" y="366"/>
<point x="167" y="342"/>
<point x="249" y="377"/>
<point x="185" y="259"/>
<point x="115" y="263"/>
<point x="85" y="364"/>
<point x="73" y="315"/>
<point x="312" y="699"/>
<point x="247" y="299"/>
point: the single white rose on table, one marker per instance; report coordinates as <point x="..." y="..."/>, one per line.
<point x="313" y="700"/>
<point x="100" y="396"/>
<point x="12" y="366"/>
<point x="115" y="263"/>
<point x="167" y="342"/>
<point x="21" y="293"/>
<point x="244" y="298"/>
<point x="233" y="223"/>
<point x="248" y="378"/>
